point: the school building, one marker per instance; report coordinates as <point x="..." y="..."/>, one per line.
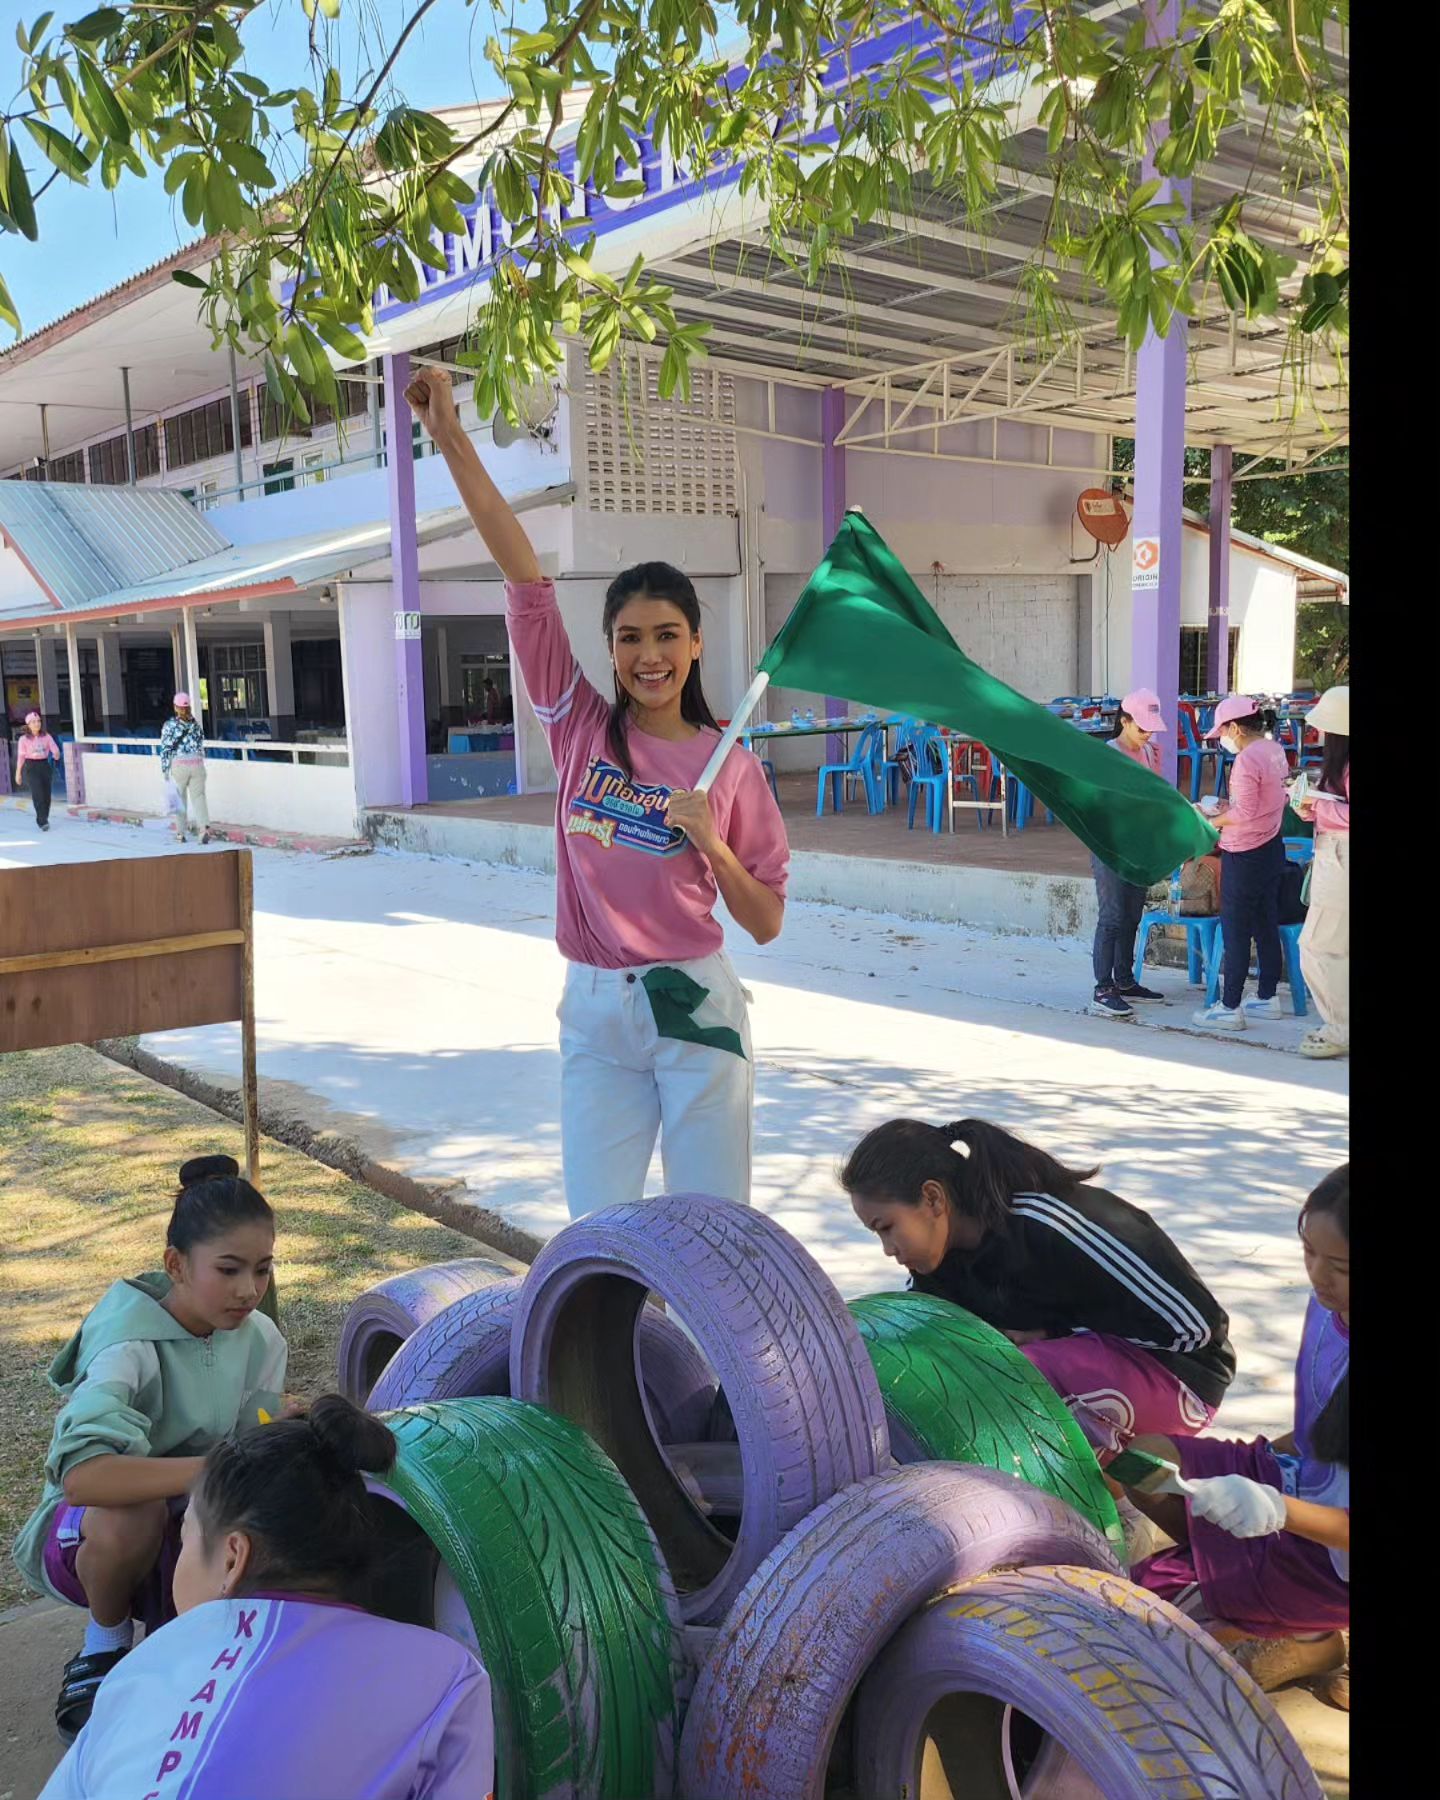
<point x="161" y="525"/>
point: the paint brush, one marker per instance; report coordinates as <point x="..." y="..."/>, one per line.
<point x="1146" y="1474"/>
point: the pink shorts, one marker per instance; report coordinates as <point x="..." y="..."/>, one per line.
<point x="1117" y="1392"/>
<point x="151" y="1602"/>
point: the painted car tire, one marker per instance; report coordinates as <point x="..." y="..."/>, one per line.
<point x="771" y="1695"/>
<point x="379" y="1320"/>
<point x="572" y="1609"/>
<point x="771" y="1325"/>
<point x="464" y="1352"/>
<point x="957" y="1390"/>
<point x="1140" y="1704"/>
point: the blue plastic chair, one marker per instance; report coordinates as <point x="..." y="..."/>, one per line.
<point x="861" y="767"/>
<point x="1300" y="850"/>
<point x="1201" y="931"/>
<point x="932" y="766"/>
<point x="1290" y="944"/>
<point x="769" y="769"/>
<point x="890" y="769"/>
<point x="1191" y="747"/>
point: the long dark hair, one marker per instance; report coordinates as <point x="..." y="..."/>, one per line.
<point x="1331" y="1438"/>
<point x="294" y="1488"/>
<point x="1122" y="719"/>
<point x="1336" y="765"/>
<point x="213" y="1198"/>
<point x="653" y="581"/>
<point x="895" y="1161"/>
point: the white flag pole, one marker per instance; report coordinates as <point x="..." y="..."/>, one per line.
<point x="731" y="735"/>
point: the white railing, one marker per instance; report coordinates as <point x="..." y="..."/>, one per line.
<point x="252" y="750"/>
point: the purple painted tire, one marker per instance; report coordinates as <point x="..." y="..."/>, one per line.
<point x="772" y="1326"/>
<point x="379" y="1322"/>
<point x="464" y="1353"/>
<point x="768" y="1704"/>
<point x="1123" y="1698"/>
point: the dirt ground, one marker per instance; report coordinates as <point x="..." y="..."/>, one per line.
<point x="88" y="1157"/>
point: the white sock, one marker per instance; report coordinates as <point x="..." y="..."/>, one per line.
<point x="99" y="1638"/>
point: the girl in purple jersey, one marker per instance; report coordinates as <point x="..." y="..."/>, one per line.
<point x="273" y="1680"/>
<point x="1262" y="1540"/>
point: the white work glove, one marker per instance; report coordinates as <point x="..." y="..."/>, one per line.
<point x="1244" y="1508"/>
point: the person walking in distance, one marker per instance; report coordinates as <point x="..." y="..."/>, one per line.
<point x="35" y="757"/>
<point x="1121" y="902"/>
<point x="1325" y="941"/>
<point x="654" y="1024"/>
<point x="182" y="763"/>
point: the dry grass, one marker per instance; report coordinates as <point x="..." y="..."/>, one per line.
<point x="88" y="1155"/>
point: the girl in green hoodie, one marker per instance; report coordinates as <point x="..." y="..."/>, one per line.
<point x="164" y="1366"/>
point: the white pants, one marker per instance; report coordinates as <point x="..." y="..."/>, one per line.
<point x="1325" y="941"/>
<point x="621" y="1083"/>
<point x="189" y="782"/>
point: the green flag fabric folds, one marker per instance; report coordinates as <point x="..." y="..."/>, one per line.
<point x="863" y="630"/>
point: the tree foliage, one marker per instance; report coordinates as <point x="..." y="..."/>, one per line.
<point x="320" y="193"/>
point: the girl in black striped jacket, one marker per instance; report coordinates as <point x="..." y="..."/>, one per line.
<point x="1090" y="1287"/>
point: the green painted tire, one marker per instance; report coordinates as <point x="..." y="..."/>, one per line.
<point x="574" y="1613"/>
<point x="957" y="1390"/>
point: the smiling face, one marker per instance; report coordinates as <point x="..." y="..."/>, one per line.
<point x="653" y="649"/>
<point x="1327" y="1262"/>
<point x="217" y="1284"/>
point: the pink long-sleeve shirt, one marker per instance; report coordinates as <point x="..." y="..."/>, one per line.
<point x="1334" y="815"/>
<point x="629" y="888"/>
<point x="1257" y="796"/>
<point x="36" y="747"/>
<point x="1147" y="755"/>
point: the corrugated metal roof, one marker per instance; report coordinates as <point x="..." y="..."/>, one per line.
<point x="82" y="541"/>
<point x="280" y="566"/>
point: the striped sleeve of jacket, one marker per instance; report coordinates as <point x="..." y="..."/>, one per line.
<point x="1119" y="1270"/>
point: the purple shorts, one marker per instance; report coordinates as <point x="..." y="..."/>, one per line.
<point x="1269" y="1586"/>
<point x="1115" y="1391"/>
<point x="151" y="1602"/>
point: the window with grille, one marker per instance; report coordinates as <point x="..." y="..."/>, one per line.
<point x="70" y="467"/>
<point x="1194" y="653"/>
<point x="108" y="464"/>
<point x="643" y="454"/>
<point x="203" y="432"/>
<point x="277" y="423"/>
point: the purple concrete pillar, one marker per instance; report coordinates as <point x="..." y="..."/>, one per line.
<point x="832" y="511"/>
<point x="1157" y="527"/>
<point x="1217" y="644"/>
<point x="405" y="585"/>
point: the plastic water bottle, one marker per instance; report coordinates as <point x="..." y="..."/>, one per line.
<point x="1175" y="894"/>
<point x="795" y="718"/>
<point x="810" y="715"/>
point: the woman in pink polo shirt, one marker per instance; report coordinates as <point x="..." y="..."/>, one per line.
<point x="1122" y="902"/>
<point x="1252" y="862"/>
<point x="35" y="754"/>
<point x="654" y="1026"/>
<point x="1325" y="941"/>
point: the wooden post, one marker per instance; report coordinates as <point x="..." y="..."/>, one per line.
<point x="249" y="1094"/>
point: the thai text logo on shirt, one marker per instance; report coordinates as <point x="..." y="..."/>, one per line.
<point x="617" y="812"/>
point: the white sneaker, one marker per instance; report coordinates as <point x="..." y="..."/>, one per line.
<point x="1264" y="1009"/>
<point x="1220" y="1018"/>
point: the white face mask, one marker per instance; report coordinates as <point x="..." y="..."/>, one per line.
<point x="1229" y="741"/>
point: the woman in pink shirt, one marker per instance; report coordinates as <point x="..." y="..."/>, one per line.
<point x="35" y="755"/>
<point x="654" y="1026"/>
<point x="1252" y="862"/>
<point x="1122" y="902"/>
<point x="1325" y="941"/>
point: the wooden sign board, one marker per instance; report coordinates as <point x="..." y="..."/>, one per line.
<point x="114" y="949"/>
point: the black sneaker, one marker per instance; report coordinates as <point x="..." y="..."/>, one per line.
<point x="79" y="1684"/>
<point x="1135" y="992"/>
<point x="1107" y="1004"/>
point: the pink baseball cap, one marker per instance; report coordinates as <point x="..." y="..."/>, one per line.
<point x="33" y="718"/>
<point x="1143" y="707"/>
<point x="1238" y="706"/>
<point x="182" y="700"/>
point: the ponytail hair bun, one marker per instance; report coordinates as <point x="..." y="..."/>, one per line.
<point x="201" y="1168"/>
<point x="214" y="1198"/>
<point x="351" y="1441"/>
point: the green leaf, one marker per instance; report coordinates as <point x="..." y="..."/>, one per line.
<point x="188" y="278"/>
<point x="341" y="339"/>
<point x="95" y="27"/>
<point x="104" y="108"/>
<point x="20" y="205"/>
<point x="69" y="158"/>
<point x="8" y="314"/>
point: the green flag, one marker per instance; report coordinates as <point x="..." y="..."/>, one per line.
<point x="863" y="630"/>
